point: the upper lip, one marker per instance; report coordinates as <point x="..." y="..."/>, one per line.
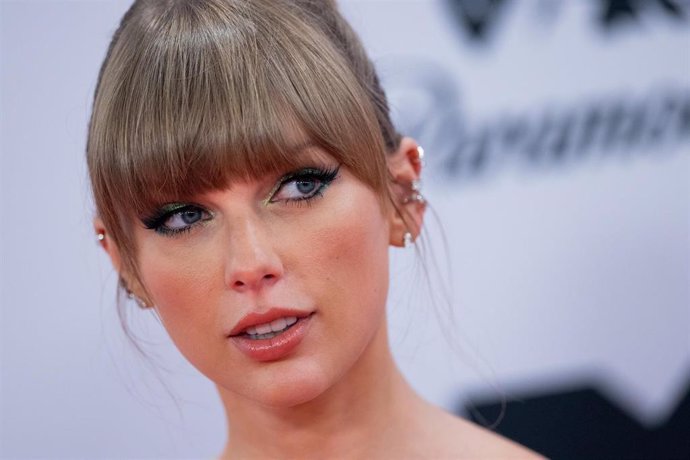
<point x="255" y="318"/>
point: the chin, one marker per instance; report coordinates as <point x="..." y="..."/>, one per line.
<point x="285" y="397"/>
<point x="283" y="385"/>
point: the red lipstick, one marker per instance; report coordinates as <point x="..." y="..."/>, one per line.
<point x="254" y="337"/>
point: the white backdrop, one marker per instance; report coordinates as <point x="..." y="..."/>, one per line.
<point x="569" y="239"/>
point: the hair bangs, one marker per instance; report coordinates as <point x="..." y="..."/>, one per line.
<point x="195" y="95"/>
<point x="183" y="156"/>
<point x="197" y="112"/>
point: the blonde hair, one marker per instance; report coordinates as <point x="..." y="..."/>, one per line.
<point x="195" y="93"/>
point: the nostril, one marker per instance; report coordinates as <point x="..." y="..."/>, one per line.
<point x="242" y="284"/>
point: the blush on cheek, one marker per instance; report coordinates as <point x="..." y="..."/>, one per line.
<point x="171" y="272"/>
<point x="184" y="300"/>
<point x="362" y="239"/>
<point x="350" y="249"/>
<point x="181" y="287"/>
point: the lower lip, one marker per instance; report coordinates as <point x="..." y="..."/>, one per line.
<point x="276" y="347"/>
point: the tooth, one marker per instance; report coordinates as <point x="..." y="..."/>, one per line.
<point x="278" y="324"/>
<point x="251" y="330"/>
<point x="263" y="328"/>
<point x="290" y="320"/>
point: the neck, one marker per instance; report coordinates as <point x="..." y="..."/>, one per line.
<point x="371" y="398"/>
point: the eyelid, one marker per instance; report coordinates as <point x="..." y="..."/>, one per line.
<point x="325" y="174"/>
<point x="152" y="220"/>
<point x="156" y="221"/>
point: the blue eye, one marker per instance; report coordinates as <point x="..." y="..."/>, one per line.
<point x="183" y="219"/>
<point x="176" y="218"/>
<point x="304" y="184"/>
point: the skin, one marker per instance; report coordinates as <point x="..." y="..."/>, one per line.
<point x="340" y="386"/>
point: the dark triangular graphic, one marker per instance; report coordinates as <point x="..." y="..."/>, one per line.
<point x="614" y="12"/>
<point x="582" y="423"/>
<point x="477" y="17"/>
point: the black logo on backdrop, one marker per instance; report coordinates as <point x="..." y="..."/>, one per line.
<point x="615" y="12"/>
<point x="479" y="19"/>
<point x="582" y="422"/>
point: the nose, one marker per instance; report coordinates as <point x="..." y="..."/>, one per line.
<point x="252" y="262"/>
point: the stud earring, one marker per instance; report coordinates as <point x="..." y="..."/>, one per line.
<point x="100" y="236"/>
<point x="407" y="240"/>
<point x="420" y="155"/>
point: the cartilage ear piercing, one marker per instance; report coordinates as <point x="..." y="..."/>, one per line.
<point x="420" y="155"/>
<point x="415" y="196"/>
<point x="407" y="240"/>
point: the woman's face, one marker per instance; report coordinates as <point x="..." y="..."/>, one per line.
<point x="310" y="245"/>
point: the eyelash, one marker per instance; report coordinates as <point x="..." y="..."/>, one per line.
<point x="157" y="220"/>
<point x="325" y="176"/>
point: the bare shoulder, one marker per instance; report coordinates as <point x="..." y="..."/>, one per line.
<point x="455" y="437"/>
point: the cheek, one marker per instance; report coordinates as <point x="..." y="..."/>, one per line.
<point x="360" y="259"/>
<point x="175" y="278"/>
<point x="180" y="283"/>
<point x="348" y="259"/>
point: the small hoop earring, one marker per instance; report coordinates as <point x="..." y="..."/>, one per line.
<point x="141" y="303"/>
<point x="407" y="240"/>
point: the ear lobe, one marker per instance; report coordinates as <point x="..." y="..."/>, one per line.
<point x="407" y="215"/>
<point x="131" y="286"/>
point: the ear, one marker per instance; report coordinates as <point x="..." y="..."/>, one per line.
<point x="107" y="243"/>
<point x="407" y="215"/>
<point x="133" y="287"/>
